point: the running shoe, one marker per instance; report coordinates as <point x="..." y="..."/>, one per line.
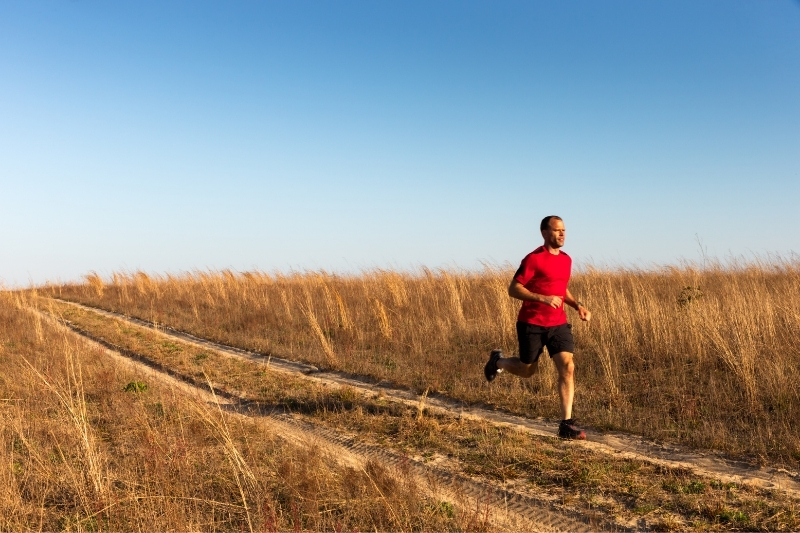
<point x="490" y="370"/>
<point x="568" y="429"/>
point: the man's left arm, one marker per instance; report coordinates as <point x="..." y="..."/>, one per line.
<point x="584" y="313"/>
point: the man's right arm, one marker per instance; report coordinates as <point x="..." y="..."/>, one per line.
<point x="517" y="290"/>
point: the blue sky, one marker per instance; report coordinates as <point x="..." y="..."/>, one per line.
<point x="172" y="136"/>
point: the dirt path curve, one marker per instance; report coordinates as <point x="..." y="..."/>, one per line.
<point x="705" y="463"/>
<point x="508" y="510"/>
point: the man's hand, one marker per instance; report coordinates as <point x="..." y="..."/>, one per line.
<point x="584" y="313"/>
<point x="553" y="301"/>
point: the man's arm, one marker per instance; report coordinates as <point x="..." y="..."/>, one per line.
<point x="584" y="313"/>
<point x="517" y="290"/>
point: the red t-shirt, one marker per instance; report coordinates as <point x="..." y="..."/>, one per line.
<point x="544" y="273"/>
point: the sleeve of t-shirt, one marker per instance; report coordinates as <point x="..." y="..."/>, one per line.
<point x="525" y="271"/>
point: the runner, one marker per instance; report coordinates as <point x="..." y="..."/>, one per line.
<point x="541" y="283"/>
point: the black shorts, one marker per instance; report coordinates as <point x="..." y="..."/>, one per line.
<point x="533" y="339"/>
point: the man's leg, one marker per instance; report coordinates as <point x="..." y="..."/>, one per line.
<point x="515" y="366"/>
<point x="530" y="348"/>
<point x="562" y="345"/>
<point x="566" y="382"/>
<point x="530" y="340"/>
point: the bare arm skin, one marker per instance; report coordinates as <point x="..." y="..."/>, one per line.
<point x="517" y="290"/>
<point x="584" y="313"/>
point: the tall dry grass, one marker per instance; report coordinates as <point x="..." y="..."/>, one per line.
<point x="82" y="451"/>
<point x="701" y="356"/>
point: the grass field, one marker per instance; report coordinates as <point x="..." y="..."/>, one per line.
<point x="584" y="482"/>
<point x="705" y="357"/>
<point x="88" y="446"/>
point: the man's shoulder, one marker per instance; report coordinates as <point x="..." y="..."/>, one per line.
<point x="541" y="249"/>
<point x="537" y="251"/>
<point x="533" y="257"/>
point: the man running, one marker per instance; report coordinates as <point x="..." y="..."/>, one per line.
<point x="541" y="283"/>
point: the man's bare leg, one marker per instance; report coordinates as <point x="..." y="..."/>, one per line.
<point x="514" y="365"/>
<point x="566" y="382"/>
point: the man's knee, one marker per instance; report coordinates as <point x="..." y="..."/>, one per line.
<point x="530" y="369"/>
<point x="565" y="365"/>
<point x="568" y="372"/>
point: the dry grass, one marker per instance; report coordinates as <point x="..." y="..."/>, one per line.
<point x="87" y="445"/>
<point x="705" y="357"/>
<point x="586" y="483"/>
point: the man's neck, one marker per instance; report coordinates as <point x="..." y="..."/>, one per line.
<point x="554" y="251"/>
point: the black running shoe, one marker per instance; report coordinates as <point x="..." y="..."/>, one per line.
<point x="490" y="370"/>
<point x="568" y="429"/>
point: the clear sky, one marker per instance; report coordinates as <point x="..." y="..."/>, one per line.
<point x="172" y="136"/>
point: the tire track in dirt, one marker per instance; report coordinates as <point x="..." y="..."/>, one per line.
<point x="702" y="462"/>
<point x="508" y="509"/>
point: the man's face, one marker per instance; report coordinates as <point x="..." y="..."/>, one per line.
<point x="555" y="235"/>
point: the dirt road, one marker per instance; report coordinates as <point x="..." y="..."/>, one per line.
<point x="706" y="463"/>
<point x="512" y="506"/>
<point x="505" y="508"/>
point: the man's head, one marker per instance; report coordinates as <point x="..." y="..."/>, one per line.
<point x="553" y="231"/>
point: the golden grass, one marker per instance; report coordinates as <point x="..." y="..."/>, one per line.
<point x="705" y="357"/>
<point x="87" y="445"/>
<point x="587" y="483"/>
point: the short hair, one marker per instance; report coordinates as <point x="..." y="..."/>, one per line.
<point x="546" y="222"/>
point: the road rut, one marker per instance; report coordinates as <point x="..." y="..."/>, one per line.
<point x="704" y="463"/>
<point x="506" y="509"/>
